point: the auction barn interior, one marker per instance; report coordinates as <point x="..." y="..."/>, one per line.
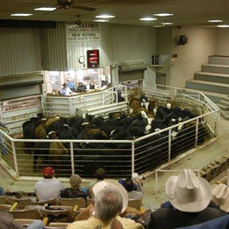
<point x="132" y="87"/>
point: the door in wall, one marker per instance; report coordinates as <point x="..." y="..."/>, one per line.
<point x="161" y="78"/>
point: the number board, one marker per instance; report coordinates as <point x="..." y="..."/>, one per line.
<point x="93" y="59"/>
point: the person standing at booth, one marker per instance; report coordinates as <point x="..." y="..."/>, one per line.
<point x="71" y="85"/>
<point x="65" y="90"/>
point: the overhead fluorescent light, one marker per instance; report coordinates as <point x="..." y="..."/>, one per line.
<point x="105" y="16"/>
<point x="167" y="23"/>
<point x="163" y="15"/>
<point x="148" y="19"/>
<point x="21" y="15"/>
<point x="223" y="26"/>
<point x="158" y="26"/>
<point x="45" y="8"/>
<point x="215" y="21"/>
<point x="101" y="20"/>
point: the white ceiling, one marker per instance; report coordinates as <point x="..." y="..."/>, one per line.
<point x="186" y="12"/>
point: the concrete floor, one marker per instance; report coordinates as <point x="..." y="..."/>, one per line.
<point x="194" y="161"/>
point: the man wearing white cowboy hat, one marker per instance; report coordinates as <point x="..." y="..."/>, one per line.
<point x="111" y="199"/>
<point x="190" y="197"/>
<point x="220" y="195"/>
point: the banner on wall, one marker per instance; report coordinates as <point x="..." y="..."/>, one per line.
<point x="84" y="32"/>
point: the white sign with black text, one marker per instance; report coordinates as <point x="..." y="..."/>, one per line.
<point x="84" y="32"/>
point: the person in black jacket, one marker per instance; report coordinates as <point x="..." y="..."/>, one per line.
<point x="189" y="203"/>
<point x="75" y="191"/>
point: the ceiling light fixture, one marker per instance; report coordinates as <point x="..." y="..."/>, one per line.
<point x="105" y="16"/>
<point x="223" y="26"/>
<point x="148" y="19"/>
<point x="158" y="26"/>
<point x="167" y="23"/>
<point x="45" y="8"/>
<point x="163" y="15"/>
<point x="21" y="15"/>
<point x="101" y="20"/>
<point x="215" y="21"/>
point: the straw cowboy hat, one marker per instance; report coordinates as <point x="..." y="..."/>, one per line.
<point x="103" y="184"/>
<point x="221" y="196"/>
<point x="187" y="192"/>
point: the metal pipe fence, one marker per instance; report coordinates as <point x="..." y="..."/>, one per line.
<point x="120" y="158"/>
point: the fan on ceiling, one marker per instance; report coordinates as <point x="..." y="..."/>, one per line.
<point x="67" y="4"/>
<point x="78" y="22"/>
<point x="70" y="4"/>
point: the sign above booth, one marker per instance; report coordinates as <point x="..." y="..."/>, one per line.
<point x="93" y="58"/>
<point x="83" y="32"/>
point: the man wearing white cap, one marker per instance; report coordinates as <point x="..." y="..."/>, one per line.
<point x="190" y="197"/>
<point x="111" y="199"/>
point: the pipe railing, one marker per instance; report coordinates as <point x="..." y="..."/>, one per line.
<point x="138" y="155"/>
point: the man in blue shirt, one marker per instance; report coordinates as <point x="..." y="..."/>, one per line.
<point x="65" y="90"/>
<point x="71" y="85"/>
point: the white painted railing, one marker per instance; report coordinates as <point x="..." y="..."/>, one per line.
<point x="68" y="106"/>
<point x="138" y="155"/>
<point x="14" y="112"/>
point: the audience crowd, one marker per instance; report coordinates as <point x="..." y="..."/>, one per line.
<point x="191" y="203"/>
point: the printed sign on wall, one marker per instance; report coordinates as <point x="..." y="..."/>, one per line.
<point x="84" y="32"/>
<point x="93" y="58"/>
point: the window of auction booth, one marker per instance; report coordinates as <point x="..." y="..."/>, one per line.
<point x="93" y="79"/>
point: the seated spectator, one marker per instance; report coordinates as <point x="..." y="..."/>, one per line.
<point x="100" y="174"/>
<point x="48" y="188"/>
<point x="190" y="197"/>
<point x="81" y="87"/>
<point x="75" y="191"/>
<point x="71" y="85"/>
<point x="2" y="192"/>
<point x="91" y="85"/>
<point x="135" y="181"/>
<point x="65" y="90"/>
<point x="7" y="222"/>
<point x="110" y="201"/>
<point x="132" y="194"/>
<point x="220" y="195"/>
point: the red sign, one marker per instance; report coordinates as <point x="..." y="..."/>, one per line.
<point x="93" y="59"/>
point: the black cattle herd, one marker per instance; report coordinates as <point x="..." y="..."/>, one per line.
<point x="114" y="157"/>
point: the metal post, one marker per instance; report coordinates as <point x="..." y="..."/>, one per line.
<point x="198" y="106"/>
<point x="72" y="158"/>
<point x="156" y="180"/>
<point x="216" y="123"/>
<point x="71" y="111"/>
<point x="103" y="98"/>
<point x="43" y="99"/>
<point x="197" y="132"/>
<point x="169" y="145"/>
<point x="84" y="115"/>
<point x="132" y="158"/>
<point x="112" y="97"/>
<point x="15" y="159"/>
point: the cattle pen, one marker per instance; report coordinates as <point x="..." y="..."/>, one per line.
<point x="120" y="158"/>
